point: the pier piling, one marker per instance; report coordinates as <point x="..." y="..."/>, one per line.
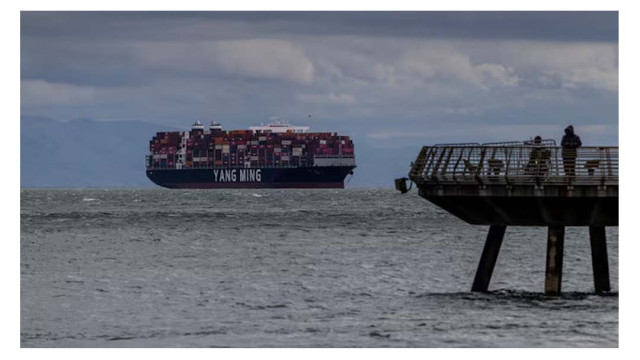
<point x="555" y="253"/>
<point x="488" y="258"/>
<point x="599" y="259"/>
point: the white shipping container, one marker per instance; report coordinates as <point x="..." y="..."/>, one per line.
<point x="262" y="138"/>
<point x="285" y="158"/>
<point x="286" y="142"/>
<point x="323" y="142"/>
<point x="253" y="142"/>
<point x="254" y="158"/>
<point x="296" y="151"/>
<point x="163" y="156"/>
<point x="225" y="148"/>
<point x="242" y="147"/>
<point x="276" y="150"/>
<point x="218" y="147"/>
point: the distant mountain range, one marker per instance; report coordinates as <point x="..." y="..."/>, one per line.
<point x="84" y="153"/>
<point x="88" y="153"/>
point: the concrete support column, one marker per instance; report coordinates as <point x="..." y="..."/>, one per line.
<point x="555" y="252"/>
<point x="599" y="259"/>
<point x="488" y="258"/>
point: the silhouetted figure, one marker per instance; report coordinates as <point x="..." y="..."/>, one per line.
<point x="538" y="159"/>
<point x="570" y="143"/>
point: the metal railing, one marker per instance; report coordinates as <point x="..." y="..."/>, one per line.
<point x="522" y="163"/>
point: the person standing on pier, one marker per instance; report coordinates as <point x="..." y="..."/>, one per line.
<point x="570" y="143"/>
<point x="538" y="159"/>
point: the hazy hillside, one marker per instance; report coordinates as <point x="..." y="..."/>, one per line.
<point x="83" y="153"/>
<point x="87" y="153"/>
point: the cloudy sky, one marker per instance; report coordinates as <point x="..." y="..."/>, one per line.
<point x="388" y="79"/>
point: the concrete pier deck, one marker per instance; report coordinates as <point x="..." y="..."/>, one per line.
<point x="525" y="184"/>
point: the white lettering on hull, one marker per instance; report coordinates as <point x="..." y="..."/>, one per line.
<point x="237" y="175"/>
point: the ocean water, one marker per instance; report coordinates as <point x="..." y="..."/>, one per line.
<point x="291" y="268"/>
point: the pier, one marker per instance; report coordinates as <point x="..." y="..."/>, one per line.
<point x="524" y="184"/>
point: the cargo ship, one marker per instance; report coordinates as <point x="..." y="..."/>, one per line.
<point x="276" y="155"/>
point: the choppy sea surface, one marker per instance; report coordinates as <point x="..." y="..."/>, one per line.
<point x="291" y="268"/>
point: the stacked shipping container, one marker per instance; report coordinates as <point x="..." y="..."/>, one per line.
<point x="244" y="148"/>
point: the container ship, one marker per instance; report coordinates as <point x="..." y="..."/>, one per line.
<point x="276" y="155"/>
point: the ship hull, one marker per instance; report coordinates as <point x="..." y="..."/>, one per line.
<point x="252" y="178"/>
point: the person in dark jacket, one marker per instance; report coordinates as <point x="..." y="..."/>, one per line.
<point x="570" y="143"/>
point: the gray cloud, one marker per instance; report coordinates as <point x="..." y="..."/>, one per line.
<point x="555" y="26"/>
<point x="254" y="58"/>
<point x="398" y="74"/>
<point x="331" y="98"/>
<point x="40" y="92"/>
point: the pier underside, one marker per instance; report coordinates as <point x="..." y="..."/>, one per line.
<point x="549" y="206"/>
<point x="553" y="206"/>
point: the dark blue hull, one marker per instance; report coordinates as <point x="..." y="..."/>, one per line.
<point x="252" y="178"/>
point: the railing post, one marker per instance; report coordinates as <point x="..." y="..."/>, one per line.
<point x="437" y="165"/>
<point x="431" y="157"/>
<point x="419" y="164"/>
<point x="446" y="162"/>
<point x="609" y="165"/>
<point x="455" y="166"/>
<point x="507" y="166"/>
<point x="480" y="165"/>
